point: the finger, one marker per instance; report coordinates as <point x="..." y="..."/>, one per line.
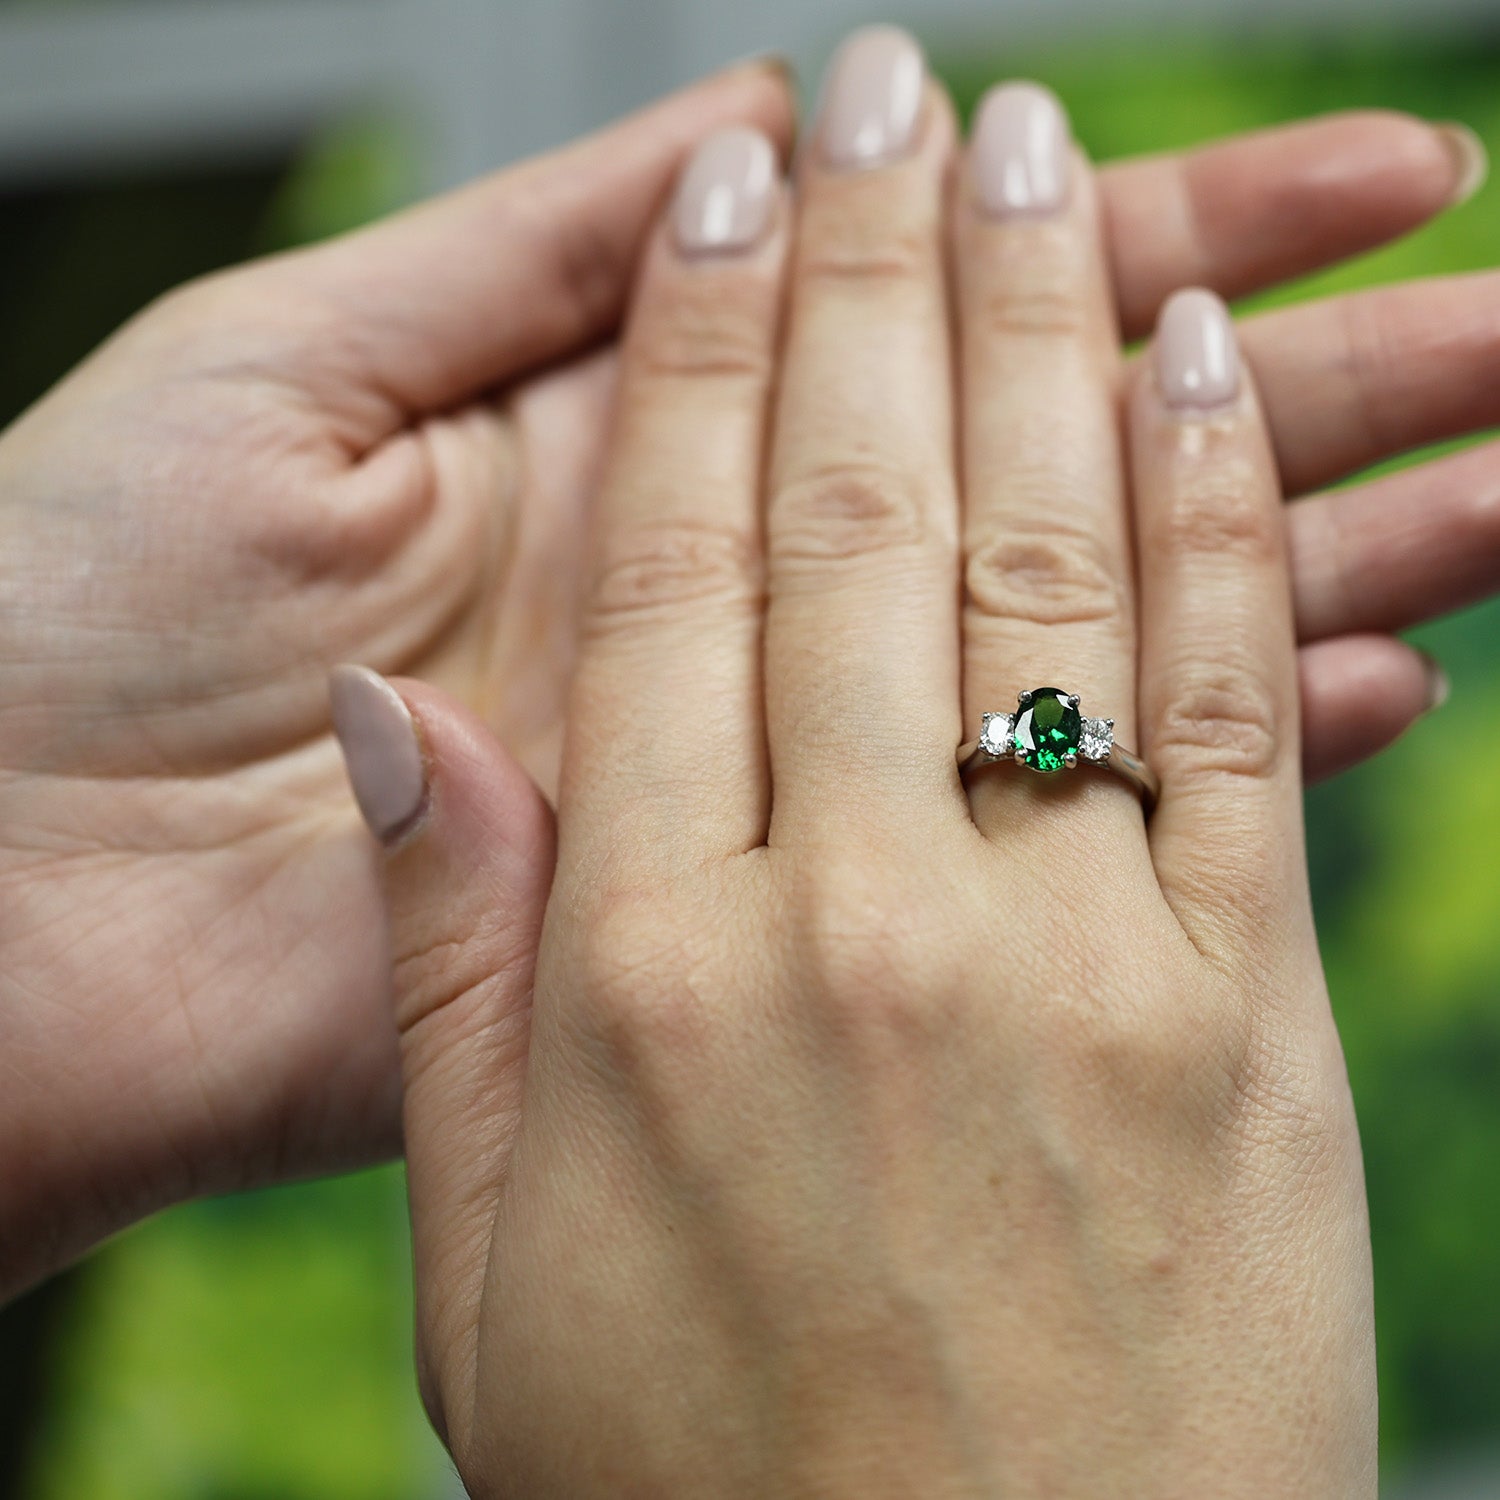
<point x="1359" y="694"/>
<point x="449" y="298"/>
<point x="861" y="648"/>
<point x="1244" y="214"/>
<point x="1400" y="549"/>
<point x="666" y="749"/>
<point x="466" y="880"/>
<point x="1218" y="653"/>
<point x="1048" y="571"/>
<point x="1355" y="379"/>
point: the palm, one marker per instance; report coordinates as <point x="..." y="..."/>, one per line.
<point x="192" y="799"/>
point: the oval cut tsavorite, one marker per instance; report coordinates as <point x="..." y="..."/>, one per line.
<point x="1047" y="729"/>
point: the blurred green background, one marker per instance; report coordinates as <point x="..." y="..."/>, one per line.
<point x="259" y="1346"/>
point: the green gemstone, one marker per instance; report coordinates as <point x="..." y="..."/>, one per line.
<point x="1047" y="729"/>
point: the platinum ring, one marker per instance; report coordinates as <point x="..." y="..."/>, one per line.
<point x="1048" y="733"/>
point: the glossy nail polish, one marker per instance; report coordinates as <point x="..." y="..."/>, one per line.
<point x="725" y="195"/>
<point x="381" y="749"/>
<point x="1021" y="152"/>
<point x="872" y="99"/>
<point x="1196" y="354"/>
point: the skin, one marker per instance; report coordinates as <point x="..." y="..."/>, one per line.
<point x="385" y="449"/>
<point x="789" y="1120"/>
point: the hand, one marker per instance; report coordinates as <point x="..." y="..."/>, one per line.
<point x="303" y="461"/>
<point x="829" y="1131"/>
<point x="269" y="471"/>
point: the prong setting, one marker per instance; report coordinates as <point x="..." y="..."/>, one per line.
<point x="1048" y="734"/>
<point x="1046" y="729"/>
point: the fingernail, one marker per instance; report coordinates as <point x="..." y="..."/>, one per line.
<point x="872" y="98"/>
<point x="1471" y="162"/>
<point x="770" y="62"/>
<point x="1197" y="355"/>
<point x="724" y="198"/>
<point x="1437" y="682"/>
<point x="1022" y="151"/>
<point x="381" y="750"/>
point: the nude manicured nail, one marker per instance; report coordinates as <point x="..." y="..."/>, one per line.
<point x="1022" y="151"/>
<point x="1438" y="686"/>
<point x="771" y="62"/>
<point x="724" y="197"/>
<point x="1197" y="356"/>
<point x="872" y="98"/>
<point x="381" y="749"/>
<point x="1471" y="162"/>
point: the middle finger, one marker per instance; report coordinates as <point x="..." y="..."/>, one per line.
<point x="861" y="648"/>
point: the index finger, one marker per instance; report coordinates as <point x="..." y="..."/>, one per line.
<point x="436" y="304"/>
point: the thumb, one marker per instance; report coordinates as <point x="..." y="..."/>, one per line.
<point x="469" y="856"/>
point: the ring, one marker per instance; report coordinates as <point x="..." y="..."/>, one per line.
<point x="1048" y="733"/>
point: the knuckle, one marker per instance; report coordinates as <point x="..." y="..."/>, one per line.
<point x="847" y="511"/>
<point x="640" y="992"/>
<point x="654" y="567"/>
<point x="1044" y="575"/>
<point x="1482" y="512"/>
<point x="454" y="969"/>
<point x="717" y="330"/>
<point x="182" y="305"/>
<point x="1221" y="718"/>
<point x="855" y="252"/>
<point x="1131" y="1051"/>
<point x="176" y="320"/>
<point x="873" y="976"/>
<point x="1281" y="1098"/>
<point x="1376" y="358"/>
<point x="210" y="295"/>
<point x="1048" y="307"/>
<point x="1173" y="1050"/>
<point x="1037" y="278"/>
<point x="1219" y="507"/>
<point x="589" y="260"/>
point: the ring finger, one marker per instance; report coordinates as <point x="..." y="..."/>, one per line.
<point x="1048" y="573"/>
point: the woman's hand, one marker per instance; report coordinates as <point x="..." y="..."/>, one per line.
<point x="305" y="461"/>
<point x="269" y="471"/>
<point x="828" y="1129"/>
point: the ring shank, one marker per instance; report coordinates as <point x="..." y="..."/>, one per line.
<point x="1128" y="766"/>
<point x="1124" y="763"/>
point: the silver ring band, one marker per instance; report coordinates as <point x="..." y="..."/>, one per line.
<point x="1048" y="733"/>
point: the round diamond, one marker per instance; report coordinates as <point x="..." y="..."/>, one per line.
<point x="995" y="737"/>
<point x="1097" y="739"/>
<point x="1047" y="729"/>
